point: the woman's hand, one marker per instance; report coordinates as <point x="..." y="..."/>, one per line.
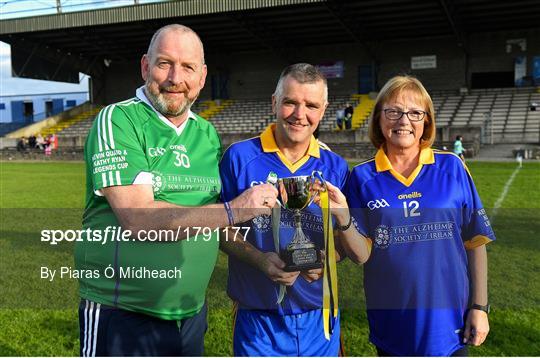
<point x="338" y="202"/>
<point x="476" y="327"/>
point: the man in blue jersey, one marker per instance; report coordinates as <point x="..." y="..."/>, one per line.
<point x="262" y="326"/>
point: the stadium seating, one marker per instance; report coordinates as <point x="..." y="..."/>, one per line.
<point x="77" y="126"/>
<point x="508" y="109"/>
<point x="242" y="116"/>
<point x="362" y="111"/>
<point x="252" y="116"/>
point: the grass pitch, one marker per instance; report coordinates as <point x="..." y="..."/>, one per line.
<point x="39" y="318"/>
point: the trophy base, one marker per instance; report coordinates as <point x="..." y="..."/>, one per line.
<point x="301" y="259"/>
<point x="305" y="267"/>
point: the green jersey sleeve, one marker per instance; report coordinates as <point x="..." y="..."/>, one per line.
<point x="212" y="135"/>
<point x="115" y="151"/>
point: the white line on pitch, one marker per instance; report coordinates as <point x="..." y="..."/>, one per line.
<point x="501" y="197"/>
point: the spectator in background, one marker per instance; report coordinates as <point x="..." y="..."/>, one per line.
<point x="340" y="118"/>
<point x="519" y="158"/>
<point x="48" y="146"/>
<point x="54" y="141"/>
<point x="349" y="110"/>
<point x="32" y="141"/>
<point x="40" y="142"/>
<point x="458" y="147"/>
<point x="21" y="144"/>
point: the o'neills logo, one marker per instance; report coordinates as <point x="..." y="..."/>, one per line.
<point x="412" y="195"/>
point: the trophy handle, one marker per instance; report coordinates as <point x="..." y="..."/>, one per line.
<point x="273" y="179"/>
<point x="278" y="185"/>
<point x="317" y="175"/>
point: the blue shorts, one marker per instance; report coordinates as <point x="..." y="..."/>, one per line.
<point x="109" y="331"/>
<point x="260" y="333"/>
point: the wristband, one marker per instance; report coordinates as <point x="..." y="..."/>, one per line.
<point x="230" y="215"/>
<point x="485" y="308"/>
<point x="344" y="227"/>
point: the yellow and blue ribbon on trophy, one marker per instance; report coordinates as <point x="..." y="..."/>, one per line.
<point x="330" y="288"/>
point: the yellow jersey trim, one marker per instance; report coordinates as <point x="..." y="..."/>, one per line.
<point x="323" y="146"/>
<point x="382" y="164"/>
<point x="476" y="241"/>
<point x="451" y="153"/>
<point x="369" y="244"/>
<point x="269" y="145"/>
<point x="364" y="162"/>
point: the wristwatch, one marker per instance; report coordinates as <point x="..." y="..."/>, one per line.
<point x="485" y="308"/>
<point x="344" y="227"/>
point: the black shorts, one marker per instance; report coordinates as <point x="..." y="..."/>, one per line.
<point x="110" y="331"/>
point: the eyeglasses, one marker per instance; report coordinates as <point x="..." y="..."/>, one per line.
<point x="395" y="115"/>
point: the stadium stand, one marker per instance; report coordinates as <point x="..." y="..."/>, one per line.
<point x="78" y="125"/>
<point x="506" y="110"/>
<point x="57" y="122"/>
<point x="243" y="116"/>
<point x="208" y="109"/>
<point x="362" y="111"/>
<point x="253" y="115"/>
<point x="247" y="51"/>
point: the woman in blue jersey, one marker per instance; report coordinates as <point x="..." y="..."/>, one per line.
<point x="420" y="231"/>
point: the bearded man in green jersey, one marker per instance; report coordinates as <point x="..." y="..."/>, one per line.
<point x="152" y="168"/>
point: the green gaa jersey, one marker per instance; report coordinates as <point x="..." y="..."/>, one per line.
<point x="131" y="143"/>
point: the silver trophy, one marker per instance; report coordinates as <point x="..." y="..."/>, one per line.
<point x="297" y="193"/>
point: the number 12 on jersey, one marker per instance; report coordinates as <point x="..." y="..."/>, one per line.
<point x="410" y="208"/>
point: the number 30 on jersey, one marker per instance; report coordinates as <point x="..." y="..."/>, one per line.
<point x="182" y="160"/>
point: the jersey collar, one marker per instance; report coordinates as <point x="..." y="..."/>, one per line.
<point x="269" y="145"/>
<point x="382" y="164"/>
<point x="142" y="96"/>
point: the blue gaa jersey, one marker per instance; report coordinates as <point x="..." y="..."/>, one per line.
<point x="416" y="278"/>
<point x="248" y="163"/>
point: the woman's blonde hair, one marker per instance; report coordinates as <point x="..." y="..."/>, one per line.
<point x="393" y="88"/>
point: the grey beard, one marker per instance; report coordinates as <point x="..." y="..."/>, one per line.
<point x="160" y="104"/>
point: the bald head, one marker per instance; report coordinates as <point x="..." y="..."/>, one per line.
<point x="174" y="71"/>
<point x="180" y="29"/>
